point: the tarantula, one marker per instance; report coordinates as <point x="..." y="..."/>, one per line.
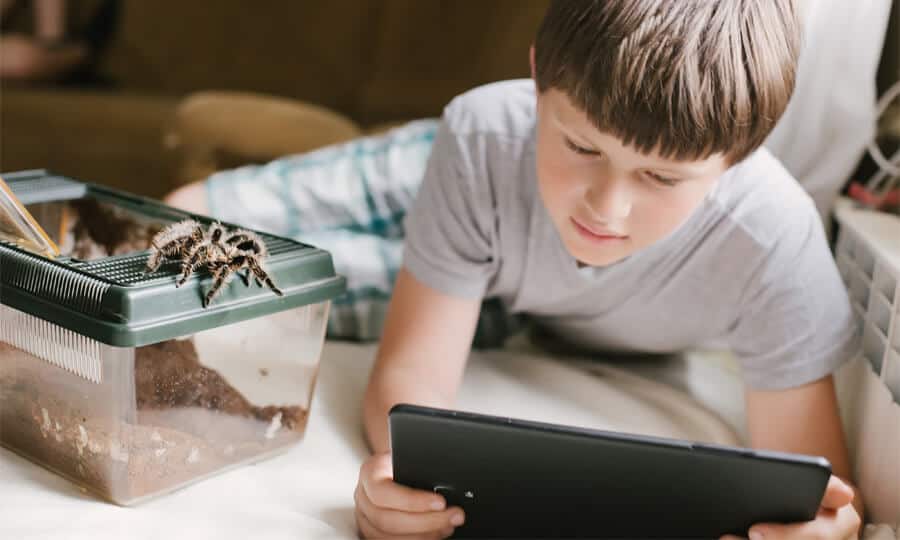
<point x="223" y="252"/>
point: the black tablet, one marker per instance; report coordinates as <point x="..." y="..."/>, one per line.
<point x="523" y="479"/>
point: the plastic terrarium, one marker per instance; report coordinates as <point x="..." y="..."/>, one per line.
<point x="129" y="386"/>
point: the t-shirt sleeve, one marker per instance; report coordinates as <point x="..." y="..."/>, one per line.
<point x="450" y="228"/>
<point x="796" y="324"/>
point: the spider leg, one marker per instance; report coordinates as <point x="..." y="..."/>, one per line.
<point x="245" y="277"/>
<point x="220" y="277"/>
<point x="261" y="275"/>
<point x="237" y="238"/>
<point x="225" y="270"/>
<point x="172" y="242"/>
<point x="159" y="253"/>
<point x="190" y="263"/>
<point x="238" y="263"/>
<point x="154" y="261"/>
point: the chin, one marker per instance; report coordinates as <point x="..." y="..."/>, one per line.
<point x="594" y="256"/>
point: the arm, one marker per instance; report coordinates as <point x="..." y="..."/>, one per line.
<point x="805" y="420"/>
<point x="795" y="327"/>
<point x="423" y="351"/>
<point x="422" y="356"/>
<point x="427" y="334"/>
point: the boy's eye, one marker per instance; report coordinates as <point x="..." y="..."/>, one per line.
<point x="669" y="182"/>
<point x="579" y="149"/>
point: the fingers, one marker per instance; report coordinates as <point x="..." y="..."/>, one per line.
<point x="369" y="531"/>
<point x="841" y="524"/>
<point x="377" y="479"/>
<point x="385" y="509"/>
<point x="837" y="494"/>
<point x="397" y="523"/>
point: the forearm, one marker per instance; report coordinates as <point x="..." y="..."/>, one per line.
<point x="390" y="388"/>
<point x="422" y="354"/>
<point x="781" y="420"/>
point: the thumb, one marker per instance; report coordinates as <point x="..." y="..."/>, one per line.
<point x="837" y="494"/>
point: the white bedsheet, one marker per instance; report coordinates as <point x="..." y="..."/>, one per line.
<point x="307" y="492"/>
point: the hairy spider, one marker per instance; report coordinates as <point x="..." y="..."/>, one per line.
<point x="223" y="252"/>
<point x="173" y="242"/>
<point x="244" y="250"/>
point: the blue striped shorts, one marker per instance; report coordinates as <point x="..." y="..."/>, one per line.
<point x="349" y="199"/>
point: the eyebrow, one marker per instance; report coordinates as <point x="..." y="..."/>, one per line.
<point x="677" y="175"/>
<point x="588" y="149"/>
<point x="673" y="178"/>
<point x="663" y="171"/>
<point x="569" y="134"/>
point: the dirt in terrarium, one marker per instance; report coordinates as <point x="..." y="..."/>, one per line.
<point x="190" y="422"/>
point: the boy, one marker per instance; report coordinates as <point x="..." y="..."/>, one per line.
<point x="621" y="200"/>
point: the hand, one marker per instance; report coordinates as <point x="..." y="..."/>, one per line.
<point x="385" y="509"/>
<point x="837" y="519"/>
<point x="25" y="58"/>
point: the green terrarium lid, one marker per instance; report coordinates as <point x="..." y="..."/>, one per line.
<point x="114" y="301"/>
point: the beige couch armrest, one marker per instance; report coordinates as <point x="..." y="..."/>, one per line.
<point x="211" y="131"/>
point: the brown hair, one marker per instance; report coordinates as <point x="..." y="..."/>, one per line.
<point x="685" y="78"/>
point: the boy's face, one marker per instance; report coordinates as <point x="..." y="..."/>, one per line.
<point x="608" y="200"/>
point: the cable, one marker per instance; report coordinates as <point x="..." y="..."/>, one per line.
<point x="889" y="169"/>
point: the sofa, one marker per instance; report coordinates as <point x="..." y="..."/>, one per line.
<point x="362" y="63"/>
<point x="182" y="89"/>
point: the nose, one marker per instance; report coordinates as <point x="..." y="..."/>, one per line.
<point x="609" y="199"/>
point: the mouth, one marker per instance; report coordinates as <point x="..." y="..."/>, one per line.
<point x="597" y="234"/>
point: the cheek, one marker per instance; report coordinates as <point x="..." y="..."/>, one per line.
<point x="558" y="181"/>
<point x="669" y="210"/>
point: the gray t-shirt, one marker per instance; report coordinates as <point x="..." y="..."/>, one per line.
<point x="750" y="269"/>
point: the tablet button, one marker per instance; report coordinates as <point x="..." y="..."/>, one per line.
<point x="726" y="450"/>
<point x="455" y="496"/>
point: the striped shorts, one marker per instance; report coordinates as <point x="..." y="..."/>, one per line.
<point x="349" y="199"/>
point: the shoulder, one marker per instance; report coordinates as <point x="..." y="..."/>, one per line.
<point x="502" y="109"/>
<point x="487" y="137"/>
<point x="760" y="200"/>
<point x="793" y="321"/>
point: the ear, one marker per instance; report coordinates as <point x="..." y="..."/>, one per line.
<point x="531" y="59"/>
